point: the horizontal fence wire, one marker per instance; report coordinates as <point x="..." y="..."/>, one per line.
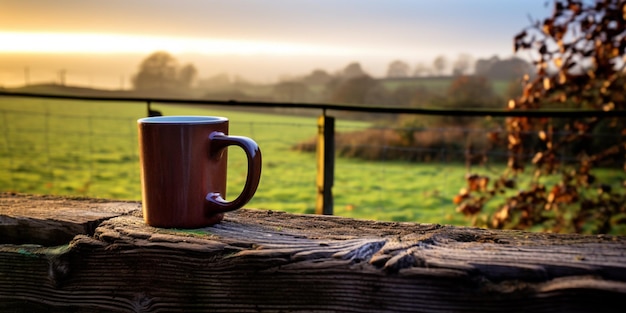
<point x="53" y="153"/>
<point x="91" y="149"/>
<point x="337" y="107"/>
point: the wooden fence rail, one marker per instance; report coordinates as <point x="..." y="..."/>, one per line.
<point x="88" y="255"/>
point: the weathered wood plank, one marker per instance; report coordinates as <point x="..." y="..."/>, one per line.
<point x="50" y="220"/>
<point x="277" y="262"/>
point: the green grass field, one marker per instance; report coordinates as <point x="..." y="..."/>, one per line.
<point x="441" y="85"/>
<point x="90" y="149"/>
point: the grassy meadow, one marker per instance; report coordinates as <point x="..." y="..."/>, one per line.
<point x="440" y="85"/>
<point x="90" y="149"/>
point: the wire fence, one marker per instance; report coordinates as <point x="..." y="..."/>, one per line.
<point x="57" y="152"/>
<point x="90" y="148"/>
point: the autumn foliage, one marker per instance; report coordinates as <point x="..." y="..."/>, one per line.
<point x="580" y="54"/>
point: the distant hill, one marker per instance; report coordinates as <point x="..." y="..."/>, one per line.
<point x="56" y="89"/>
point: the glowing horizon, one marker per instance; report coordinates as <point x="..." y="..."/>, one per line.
<point x="103" y="43"/>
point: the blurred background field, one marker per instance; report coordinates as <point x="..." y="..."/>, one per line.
<point x="90" y="148"/>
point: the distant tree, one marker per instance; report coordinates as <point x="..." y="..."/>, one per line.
<point x="187" y="75"/>
<point x="354" y="90"/>
<point x="439" y="64"/>
<point x="421" y="70"/>
<point x="461" y="64"/>
<point x="291" y="91"/>
<point x="469" y="92"/>
<point x="161" y="72"/>
<point x="507" y="69"/>
<point x="403" y="95"/>
<point x="217" y="82"/>
<point x="377" y="95"/>
<point x="352" y="70"/>
<point x="397" y="69"/>
<point x="157" y="71"/>
<point x="421" y="97"/>
<point x="317" y="77"/>
<point x="482" y="66"/>
<point x="241" y="81"/>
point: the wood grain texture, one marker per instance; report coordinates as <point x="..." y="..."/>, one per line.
<point x="264" y="261"/>
<point x="48" y="220"/>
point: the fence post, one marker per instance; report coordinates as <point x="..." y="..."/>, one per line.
<point x="325" y="164"/>
<point x="152" y="112"/>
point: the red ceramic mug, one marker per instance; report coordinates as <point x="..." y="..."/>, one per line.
<point x="183" y="170"/>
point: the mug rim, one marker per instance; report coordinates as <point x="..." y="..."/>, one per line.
<point x="182" y="119"/>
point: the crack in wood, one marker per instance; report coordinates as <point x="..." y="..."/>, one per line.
<point x="53" y="221"/>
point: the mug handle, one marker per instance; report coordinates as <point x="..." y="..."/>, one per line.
<point x="215" y="201"/>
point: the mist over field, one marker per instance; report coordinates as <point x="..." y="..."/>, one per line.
<point x="114" y="71"/>
<point x="257" y="42"/>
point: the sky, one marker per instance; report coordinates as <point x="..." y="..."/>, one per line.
<point x="101" y="43"/>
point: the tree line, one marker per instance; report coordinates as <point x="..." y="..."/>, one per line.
<point x="161" y="72"/>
